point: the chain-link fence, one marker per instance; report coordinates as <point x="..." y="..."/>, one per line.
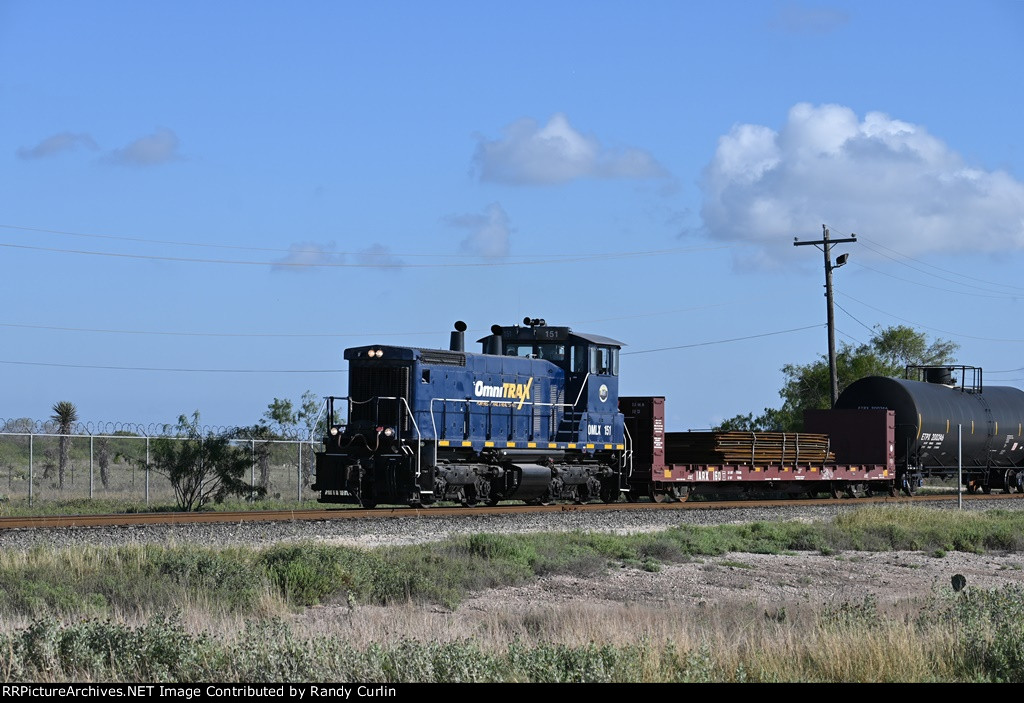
<point x="117" y="466"/>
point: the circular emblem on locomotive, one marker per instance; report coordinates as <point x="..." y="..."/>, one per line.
<point x="602" y="392"/>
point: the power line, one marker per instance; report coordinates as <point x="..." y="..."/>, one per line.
<point x="212" y="334"/>
<point x="849" y="336"/>
<point x="291" y="264"/>
<point x="156" y="368"/>
<point x="186" y="370"/>
<point x="937" y="268"/>
<point x="326" y="335"/>
<point x="936" y="329"/>
<point x="207" y="245"/>
<point x="869" y="329"/>
<point x="723" y="341"/>
<point x="945" y="290"/>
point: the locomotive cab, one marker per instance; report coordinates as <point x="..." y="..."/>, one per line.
<point x="590" y="364"/>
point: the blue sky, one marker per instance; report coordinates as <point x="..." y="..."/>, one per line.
<point x="205" y="203"/>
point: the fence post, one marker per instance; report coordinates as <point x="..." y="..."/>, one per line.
<point x="91" y="480"/>
<point x="31" y="477"/>
<point x="147" y="471"/>
<point x="298" y="481"/>
<point x="252" y="470"/>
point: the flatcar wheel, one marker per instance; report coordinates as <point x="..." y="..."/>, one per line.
<point x="855" y="490"/>
<point x="679" y="493"/>
<point x="892" y="490"/>
<point x="657" y="496"/>
<point x="833" y="490"/>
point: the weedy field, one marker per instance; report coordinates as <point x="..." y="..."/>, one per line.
<point x="516" y="608"/>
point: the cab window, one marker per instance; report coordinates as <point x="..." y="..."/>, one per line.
<point x="604" y="361"/>
<point x="551" y="352"/>
<point x="524" y="350"/>
<point x="578" y="359"/>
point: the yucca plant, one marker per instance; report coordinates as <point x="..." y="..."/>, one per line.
<point x="65" y="414"/>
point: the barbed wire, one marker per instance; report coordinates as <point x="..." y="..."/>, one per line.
<point x="25" y="425"/>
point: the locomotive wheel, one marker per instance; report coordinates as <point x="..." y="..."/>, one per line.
<point x="632" y="496"/>
<point x="610" y="494"/>
<point x="972" y="487"/>
<point x="987" y="489"/>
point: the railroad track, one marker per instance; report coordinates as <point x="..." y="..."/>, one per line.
<point x="166" y="518"/>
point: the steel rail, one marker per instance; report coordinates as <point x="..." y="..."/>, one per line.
<point x="313" y="515"/>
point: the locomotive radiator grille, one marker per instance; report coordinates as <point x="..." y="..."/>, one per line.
<point x="372" y="382"/>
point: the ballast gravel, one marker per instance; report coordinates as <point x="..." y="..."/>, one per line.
<point x="394" y="529"/>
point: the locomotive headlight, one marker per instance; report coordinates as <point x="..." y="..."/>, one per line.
<point x="380" y="353"/>
<point x="388" y="432"/>
<point x="334" y="431"/>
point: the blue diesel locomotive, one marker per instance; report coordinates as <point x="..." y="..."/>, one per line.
<point x="534" y="417"/>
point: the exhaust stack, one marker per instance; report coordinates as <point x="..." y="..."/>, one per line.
<point x="458" y="342"/>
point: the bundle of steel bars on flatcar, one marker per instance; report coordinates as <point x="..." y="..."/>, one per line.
<point x="737" y="447"/>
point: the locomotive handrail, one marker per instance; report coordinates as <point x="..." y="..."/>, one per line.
<point x="627" y="457"/>
<point x="316" y="420"/>
<point x="433" y="423"/>
<point x="415" y="425"/>
<point x="580" y="394"/>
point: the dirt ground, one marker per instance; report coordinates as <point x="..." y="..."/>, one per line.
<point x="890" y="577"/>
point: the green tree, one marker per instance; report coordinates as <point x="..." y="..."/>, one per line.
<point x="201" y="468"/>
<point x="65" y="414"/>
<point x="806" y="386"/>
<point x="284" y="419"/>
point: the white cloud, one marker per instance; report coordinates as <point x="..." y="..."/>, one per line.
<point x="303" y="256"/>
<point x="379" y="256"/>
<point x="528" y="154"/>
<point x="157" y="148"/>
<point x="65" y="141"/>
<point x="880" y="177"/>
<point x="488" y="233"/>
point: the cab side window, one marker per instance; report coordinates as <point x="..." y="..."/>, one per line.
<point x="578" y="358"/>
<point x="604" y="361"/>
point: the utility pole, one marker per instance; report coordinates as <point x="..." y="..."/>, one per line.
<point x="825" y="245"/>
